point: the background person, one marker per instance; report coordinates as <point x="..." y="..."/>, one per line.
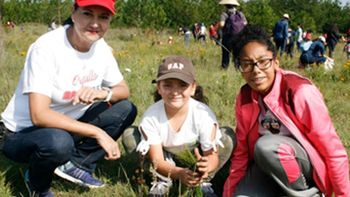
<point x="230" y="19"/>
<point x="70" y="104"/>
<point x="202" y="34"/>
<point x="299" y="36"/>
<point x="213" y="34"/>
<point x="187" y="35"/>
<point x="332" y="38"/>
<point x="290" y="43"/>
<point x="347" y="44"/>
<point x="280" y="34"/>
<point x="286" y="142"/>
<point x="315" y="53"/>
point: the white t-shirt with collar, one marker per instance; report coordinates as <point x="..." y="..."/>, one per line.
<point x="197" y="127"/>
<point x="55" y="69"/>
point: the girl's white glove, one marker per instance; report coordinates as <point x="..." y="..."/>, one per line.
<point x="143" y="147"/>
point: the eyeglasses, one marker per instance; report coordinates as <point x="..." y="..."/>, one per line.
<point x="248" y="66"/>
<point x="271" y="124"/>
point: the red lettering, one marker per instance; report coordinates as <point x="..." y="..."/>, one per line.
<point x="91" y="76"/>
<point x="68" y="95"/>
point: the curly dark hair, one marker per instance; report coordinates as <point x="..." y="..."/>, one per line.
<point x="251" y="33"/>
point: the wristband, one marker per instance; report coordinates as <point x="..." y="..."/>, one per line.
<point x="109" y="95"/>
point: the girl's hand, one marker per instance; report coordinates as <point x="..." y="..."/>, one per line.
<point x="88" y="95"/>
<point x="189" y="178"/>
<point x="202" y="164"/>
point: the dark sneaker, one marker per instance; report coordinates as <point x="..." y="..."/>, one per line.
<point x="74" y="174"/>
<point x="32" y="192"/>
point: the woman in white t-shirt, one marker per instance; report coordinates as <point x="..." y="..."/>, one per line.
<point x="176" y="123"/>
<point x="70" y="103"/>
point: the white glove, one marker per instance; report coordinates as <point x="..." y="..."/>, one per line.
<point x="143" y="147"/>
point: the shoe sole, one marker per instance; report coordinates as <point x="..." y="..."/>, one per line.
<point x="74" y="180"/>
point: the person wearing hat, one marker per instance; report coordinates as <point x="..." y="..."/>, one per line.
<point x="179" y="120"/>
<point x="70" y="105"/>
<point x="315" y="53"/>
<point x="280" y="34"/>
<point x="227" y="35"/>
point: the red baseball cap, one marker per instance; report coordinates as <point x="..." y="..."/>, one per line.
<point x="108" y="4"/>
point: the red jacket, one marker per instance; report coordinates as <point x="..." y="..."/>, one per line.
<point x="299" y="105"/>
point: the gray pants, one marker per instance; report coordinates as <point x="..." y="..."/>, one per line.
<point x="131" y="137"/>
<point x="281" y="167"/>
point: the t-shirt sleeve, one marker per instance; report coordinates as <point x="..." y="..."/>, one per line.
<point x="207" y="138"/>
<point x="223" y="16"/>
<point x="38" y="71"/>
<point x="149" y="128"/>
<point x="112" y="75"/>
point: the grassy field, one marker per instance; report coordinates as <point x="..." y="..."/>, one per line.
<point x="138" y="53"/>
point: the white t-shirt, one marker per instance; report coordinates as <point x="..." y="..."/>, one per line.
<point x="203" y="30"/>
<point x="299" y="34"/>
<point x="55" y="69"/>
<point x="197" y="127"/>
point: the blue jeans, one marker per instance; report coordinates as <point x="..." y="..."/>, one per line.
<point x="309" y="58"/>
<point x="47" y="148"/>
<point x="280" y="45"/>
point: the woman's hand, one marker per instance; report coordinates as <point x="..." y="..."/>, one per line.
<point x="109" y="145"/>
<point x="88" y="95"/>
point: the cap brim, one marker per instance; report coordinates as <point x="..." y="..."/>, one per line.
<point x="176" y="75"/>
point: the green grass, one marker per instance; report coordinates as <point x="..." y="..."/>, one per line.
<point x="139" y="51"/>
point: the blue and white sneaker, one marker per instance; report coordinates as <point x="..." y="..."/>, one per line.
<point x="32" y="192"/>
<point x="74" y="174"/>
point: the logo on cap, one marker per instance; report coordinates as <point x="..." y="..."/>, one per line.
<point x="175" y="66"/>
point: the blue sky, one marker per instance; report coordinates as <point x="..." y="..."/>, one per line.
<point x="344" y="1"/>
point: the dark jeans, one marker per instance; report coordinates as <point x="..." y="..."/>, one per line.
<point x="308" y="58"/>
<point x="47" y="148"/>
<point x="226" y="51"/>
<point x="280" y="45"/>
<point x="331" y="47"/>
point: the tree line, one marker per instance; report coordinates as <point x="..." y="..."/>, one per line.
<point x="315" y="15"/>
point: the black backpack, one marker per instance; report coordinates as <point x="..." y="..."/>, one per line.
<point x="234" y="23"/>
